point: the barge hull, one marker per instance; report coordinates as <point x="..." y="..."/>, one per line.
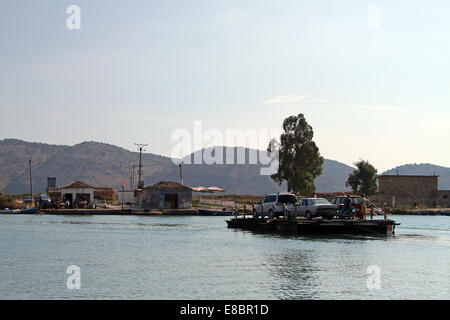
<point x="315" y="227"/>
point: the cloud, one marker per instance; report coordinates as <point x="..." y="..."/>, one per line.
<point x="289" y="98"/>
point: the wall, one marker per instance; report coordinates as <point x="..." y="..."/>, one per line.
<point x="75" y="191"/>
<point x="154" y="198"/>
<point x="407" y="190"/>
<point x="443" y="198"/>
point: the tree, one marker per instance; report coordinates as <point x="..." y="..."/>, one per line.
<point x="299" y="158"/>
<point x="363" y="179"/>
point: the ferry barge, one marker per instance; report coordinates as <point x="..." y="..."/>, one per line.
<point x="314" y="226"/>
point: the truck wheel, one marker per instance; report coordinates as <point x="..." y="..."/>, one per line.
<point x="308" y="215"/>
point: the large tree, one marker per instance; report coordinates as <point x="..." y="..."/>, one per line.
<point x="363" y="179"/>
<point x="299" y="158"/>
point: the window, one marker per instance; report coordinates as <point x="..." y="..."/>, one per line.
<point x="320" y="201"/>
<point x="304" y="202"/>
<point x="445" y="196"/>
<point x="270" y="199"/>
<point x="287" y="198"/>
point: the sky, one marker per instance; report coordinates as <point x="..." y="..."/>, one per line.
<point x="371" y="77"/>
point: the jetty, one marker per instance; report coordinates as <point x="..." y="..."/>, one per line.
<point x="314" y="226"/>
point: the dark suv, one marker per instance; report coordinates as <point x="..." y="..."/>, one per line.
<point x="45" y="202"/>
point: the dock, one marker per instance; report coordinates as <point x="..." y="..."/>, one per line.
<point x="315" y="226"/>
<point x="117" y="211"/>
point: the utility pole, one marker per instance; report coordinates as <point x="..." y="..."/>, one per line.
<point x="31" y="185"/>
<point x="133" y="186"/>
<point x="181" y="173"/>
<point x="131" y="181"/>
<point x="141" y="148"/>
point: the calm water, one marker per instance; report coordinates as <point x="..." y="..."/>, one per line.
<point x="199" y="258"/>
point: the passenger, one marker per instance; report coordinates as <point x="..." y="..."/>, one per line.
<point x="363" y="206"/>
<point x="347" y="207"/>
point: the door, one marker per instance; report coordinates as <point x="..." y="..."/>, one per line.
<point x="268" y="204"/>
<point x="259" y="206"/>
<point x="171" y="201"/>
<point x="303" y="206"/>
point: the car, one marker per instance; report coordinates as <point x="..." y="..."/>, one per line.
<point x="27" y="199"/>
<point x="317" y="207"/>
<point x="356" y="203"/>
<point x="45" y="202"/>
<point x="273" y="205"/>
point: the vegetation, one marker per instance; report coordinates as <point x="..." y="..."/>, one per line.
<point x="363" y="179"/>
<point x="299" y="158"/>
<point x="9" y="201"/>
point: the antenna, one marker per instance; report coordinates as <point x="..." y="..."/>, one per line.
<point x="141" y="148"/>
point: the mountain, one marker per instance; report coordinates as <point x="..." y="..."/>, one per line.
<point x="102" y="164"/>
<point x="424" y="169"/>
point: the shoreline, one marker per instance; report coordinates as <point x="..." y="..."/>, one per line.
<point x="194" y="212"/>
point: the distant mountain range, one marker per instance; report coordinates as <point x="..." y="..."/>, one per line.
<point x="101" y="164"/>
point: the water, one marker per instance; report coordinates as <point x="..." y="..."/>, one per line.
<point x="153" y="257"/>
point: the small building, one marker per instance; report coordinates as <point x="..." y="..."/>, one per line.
<point x="126" y="196"/>
<point x="78" y="191"/>
<point x="166" y="195"/>
<point x="398" y="190"/>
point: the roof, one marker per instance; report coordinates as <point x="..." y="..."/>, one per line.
<point x="169" y="185"/>
<point x="77" y="185"/>
<point x="407" y="176"/>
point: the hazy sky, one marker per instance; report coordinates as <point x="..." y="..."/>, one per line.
<point x="371" y="77"/>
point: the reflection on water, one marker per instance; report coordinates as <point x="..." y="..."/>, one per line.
<point x="110" y="223"/>
<point x="135" y="257"/>
<point x="294" y="274"/>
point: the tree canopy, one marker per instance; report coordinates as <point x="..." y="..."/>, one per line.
<point x="363" y="179"/>
<point x="299" y="158"/>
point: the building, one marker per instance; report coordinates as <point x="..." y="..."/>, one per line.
<point x="78" y="191"/>
<point x="400" y="190"/>
<point x="167" y="195"/>
<point x="126" y="196"/>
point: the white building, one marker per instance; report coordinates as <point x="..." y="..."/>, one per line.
<point x="74" y="192"/>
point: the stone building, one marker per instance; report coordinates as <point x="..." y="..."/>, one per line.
<point x="167" y="195"/>
<point x="400" y="190"/>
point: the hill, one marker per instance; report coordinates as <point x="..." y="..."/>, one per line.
<point x="102" y="164"/>
<point x="424" y="169"/>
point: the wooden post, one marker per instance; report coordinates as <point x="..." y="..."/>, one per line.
<point x="31" y="186"/>
<point x="123" y="191"/>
